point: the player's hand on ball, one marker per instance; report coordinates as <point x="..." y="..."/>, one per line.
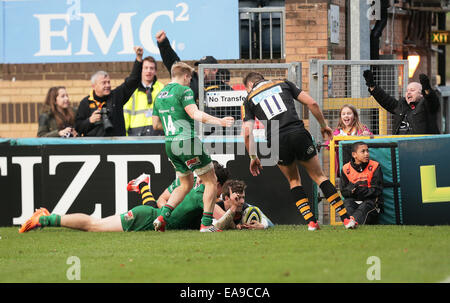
<point x="253" y="225"/>
<point x="255" y="167"/>
<point x="227" y="121"/>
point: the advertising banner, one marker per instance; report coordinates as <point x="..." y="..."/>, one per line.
<point x="46" y="31"/>
<point x="425" y="180"/>
<point x="92" y="179"/>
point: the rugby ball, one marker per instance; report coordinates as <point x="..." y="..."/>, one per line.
<point x="251" y="213"/>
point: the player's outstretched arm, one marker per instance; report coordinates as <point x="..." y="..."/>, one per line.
<point x="156" y="122"/>
<point x="250" y="145"/>
<point x="163" y="198"/>
<point x="312" y="105"/>
<point x="200" y="116"/>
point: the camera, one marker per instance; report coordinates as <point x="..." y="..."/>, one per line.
<point x="68" y="134"/>
<point x="105" y="119"/>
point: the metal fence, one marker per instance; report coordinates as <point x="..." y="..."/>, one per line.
<point x="262" y="32"/>
<point x="221" y="92"/>
<point x="334" y="83"/>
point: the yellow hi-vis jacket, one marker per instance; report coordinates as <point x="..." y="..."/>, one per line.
<point x="138" y="113"/>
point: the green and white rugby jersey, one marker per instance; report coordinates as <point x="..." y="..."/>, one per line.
<point x="169" y="107"/>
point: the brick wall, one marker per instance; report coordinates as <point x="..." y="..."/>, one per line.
<point x="337" y="51"/>
<point x="392" y="43"/>
<point x="306" y="33"/>
<point x="23" y="88"/>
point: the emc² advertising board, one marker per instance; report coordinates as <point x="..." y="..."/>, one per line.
<point x="46" y="31"/>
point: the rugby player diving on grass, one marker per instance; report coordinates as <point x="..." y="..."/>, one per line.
<point x="140" y="218"/>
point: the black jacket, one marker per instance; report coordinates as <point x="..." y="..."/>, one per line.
<point x="169" y="57"/>
<point x="422" y="119"/>
<point x="363" y="192"/>
<point x="114" y="104"/>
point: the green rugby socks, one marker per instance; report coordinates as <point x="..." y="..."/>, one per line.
<point x="52" y="220"/>
<point x="207" y="219"/>
<point x="166" y="211"/>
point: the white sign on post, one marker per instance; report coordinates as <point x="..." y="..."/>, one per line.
<point x="333" y="15"/>
<point x="225" y="98"/>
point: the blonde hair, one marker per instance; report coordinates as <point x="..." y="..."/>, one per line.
<point x="180" y="69"/>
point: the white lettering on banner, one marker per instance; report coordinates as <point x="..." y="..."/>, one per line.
<point x="77" y="184"/>
<point x="75" y="10"/>
<point x="92" y="24"/>
<point x="145" y="32"/>
<point x="121" y="169"/>
<point x="225" y="98"/>
<point x="27" y="185"/>
<point x="91" y="21"/>
<point x="46" y="34"/>
<point x="3" y="166"/>
<point x="183" y="16"/>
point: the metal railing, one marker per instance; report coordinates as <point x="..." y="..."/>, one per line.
<point x="334" y="83"/>
<point x="262" y="32"/>
<point x="223" y="96"/>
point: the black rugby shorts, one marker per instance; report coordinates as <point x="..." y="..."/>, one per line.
<point x="296" y="145"/>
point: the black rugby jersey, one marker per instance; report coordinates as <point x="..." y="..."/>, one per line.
<point x="274" y="101"/>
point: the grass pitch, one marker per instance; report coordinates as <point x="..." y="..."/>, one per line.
<point x="283" y="254"/>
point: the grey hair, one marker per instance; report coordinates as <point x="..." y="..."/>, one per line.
<point x="98" y="74"/>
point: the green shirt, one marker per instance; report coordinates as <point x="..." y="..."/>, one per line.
<point x="169" y="107"/>
<point x="188" y="214"/>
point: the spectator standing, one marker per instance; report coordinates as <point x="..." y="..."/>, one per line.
<point x="138" y="110"/>
<point x="101" y="113"/>
<point x="362" y="185"/>
<point x="348" y="125"/>
<point x="415" y="114"/>
<point x="213" y="81"/>
<point x="57" y="118"/>
<point x="169" y="57"/>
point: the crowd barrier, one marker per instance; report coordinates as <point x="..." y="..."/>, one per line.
<point x="90" y="176"/>
<point x="415" y="172"/>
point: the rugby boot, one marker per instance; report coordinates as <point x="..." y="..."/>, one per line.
<point x="133" y="185"/>
<point x="209" y="229"/>
<point x="159" y="224"/>
<point x="350" y="223"/>
<point x="313" y="226"/>
<point x="33" y="222"/>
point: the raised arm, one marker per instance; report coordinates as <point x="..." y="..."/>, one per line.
<point x="387" y="102"/>
<point x="431" y="99"/>
<point x="312" y="105"/>
<point x="200" y="116"/>
<point x="168" y="55"/>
